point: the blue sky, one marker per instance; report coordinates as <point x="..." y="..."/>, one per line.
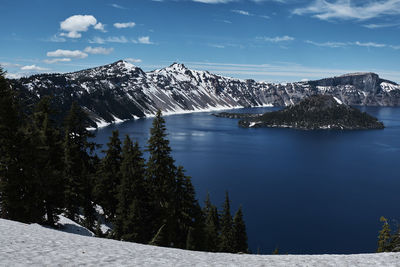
<point x="271" y="40"/>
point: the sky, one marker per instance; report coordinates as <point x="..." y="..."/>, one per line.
<point x="264" y="40"/>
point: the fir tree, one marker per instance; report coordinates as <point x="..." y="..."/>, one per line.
<point x="384" y="238"/>
<point x="161" y="178"/>
<point x="109" y="176"/>
<point x="395" y="241"/>
<point x="78" y="166"/>
<point x="211" y="226"/>
<point x="226" y="243"/>
<point x="18" y="198"/>
<point x="48" y="159"/>
<point x="132" y="222"/>
<point x="239" y="232"/>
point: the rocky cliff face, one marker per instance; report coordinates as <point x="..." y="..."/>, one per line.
<point x="122" y="91"/>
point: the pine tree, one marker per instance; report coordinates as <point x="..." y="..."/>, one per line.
<point x="161" y="179"/>
<point x="384" y="237"/>
<point x="188" y="216"/>
<point x="226" y="243"/>
<point x="239" y="232"/>
<point x="211" y="226"/>
<point x="48" y="160"/>
<point x="395" y="241"/>
<point x="109" y="176"/>
<point x="78" y="166"/>
<point x="132" y="222"/>
<point x="17" y="189"/>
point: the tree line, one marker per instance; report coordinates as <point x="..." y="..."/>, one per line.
<point x="48" y="168"/>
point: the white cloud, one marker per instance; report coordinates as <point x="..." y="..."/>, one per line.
<point x="369" y="44"/>
<point x="327" y="44"/>
<point x="276" y="39"/>
<point x="67" y="53"/>
<point x="100" y="26"/>
<point x="74" y="25"/>
<point x="98" y="50"/>
<point x="347" y="9"/>
<point x="144" y="40"/>
<point x="56" y="39"/>
<point x="33" y="68"/>
<point x="55" y="60"/>
<point x="216" y="46"/>
<point x="118" y="6"/>
<point x="133" y="60"/>
<point x="111" y="39"/>
<point x="242" y="12"/>
<point x="9" y="65"/>
<point x="378" y="26"/>
<point x="122" y="25"/>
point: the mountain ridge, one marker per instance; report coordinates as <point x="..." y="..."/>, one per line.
<point x="121" y="91"/>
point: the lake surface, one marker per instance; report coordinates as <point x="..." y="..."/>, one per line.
<point x="303" y="191"/>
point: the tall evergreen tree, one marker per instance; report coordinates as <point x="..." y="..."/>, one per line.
<point x="132" y="222"/>
<point x="109" y="176"/>
<point x="78" y="160"/>
<point x="211" y="227"/>
<point x="226" y="243"/>
<point x="161" y="178"/>
<point x="48" y="159"/>
<point x="17" y="189"/>
<point x="384" y="238"/>
<point x="239" y="232"/>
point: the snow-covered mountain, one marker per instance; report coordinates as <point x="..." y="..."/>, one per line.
<point x="122" y="91"/>
<point x="34" y="245"/>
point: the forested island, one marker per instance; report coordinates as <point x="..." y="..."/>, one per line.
<point x="314" y="112"/>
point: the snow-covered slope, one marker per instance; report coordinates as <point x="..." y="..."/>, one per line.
<point x="122" y="91"/>
<point x="33" y="245"/>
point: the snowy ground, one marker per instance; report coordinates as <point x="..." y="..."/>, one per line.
<point x="34" y="245"/>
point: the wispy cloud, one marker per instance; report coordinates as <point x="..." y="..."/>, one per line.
<point x="110" y="39"/>
<point x="122" y="25"/>
<point x="379" y="26"/>
<point x="117" y="6"/>
<point x="242" y="12"/>
<point x="144" y="40"/>
<point x="98" y="50"/>
<point x="67" y="53"/>
<point x="346" y="44"/>
<point x="33" y="68"/>
<point x="56" y="60"/>
<point x="213" y="1"/>
<point x="348" y="10"/>
<point x="216" y="46"/>
<point x="276" y="39"/>
<point x="133" y="60"/>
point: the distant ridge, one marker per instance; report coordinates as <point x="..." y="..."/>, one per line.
<point x="121" y="91"/>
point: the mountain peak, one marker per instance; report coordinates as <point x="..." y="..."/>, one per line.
<point x="124" y="64"/>
<point x="177" y="67"/>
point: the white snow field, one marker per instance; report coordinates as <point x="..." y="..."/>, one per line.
<point x="34" y="245"/>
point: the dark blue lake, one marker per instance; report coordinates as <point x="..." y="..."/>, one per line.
<point x="304" y="191"/>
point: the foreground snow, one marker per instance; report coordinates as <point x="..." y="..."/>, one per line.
<point x="34" y="245"/>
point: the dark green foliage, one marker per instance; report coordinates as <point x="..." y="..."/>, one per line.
<point x="276" y="251"/>
<point x="132" y="222"/>
<point x="384" y="238"/>
<point x="160" y="175"/>
<point x="395" y="242"/>
<point x="109" y="176"/>
<point x="239" y="232"/>
<point x="78" y="166"/>
<point x="19" y="199"/>
<point x="226" y="243"/>
<point x="48" y="159"/>
<point x="211" y="227"/>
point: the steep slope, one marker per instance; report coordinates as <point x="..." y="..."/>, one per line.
<point x="33" y="245"/>
<point x="122" y="91"/>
